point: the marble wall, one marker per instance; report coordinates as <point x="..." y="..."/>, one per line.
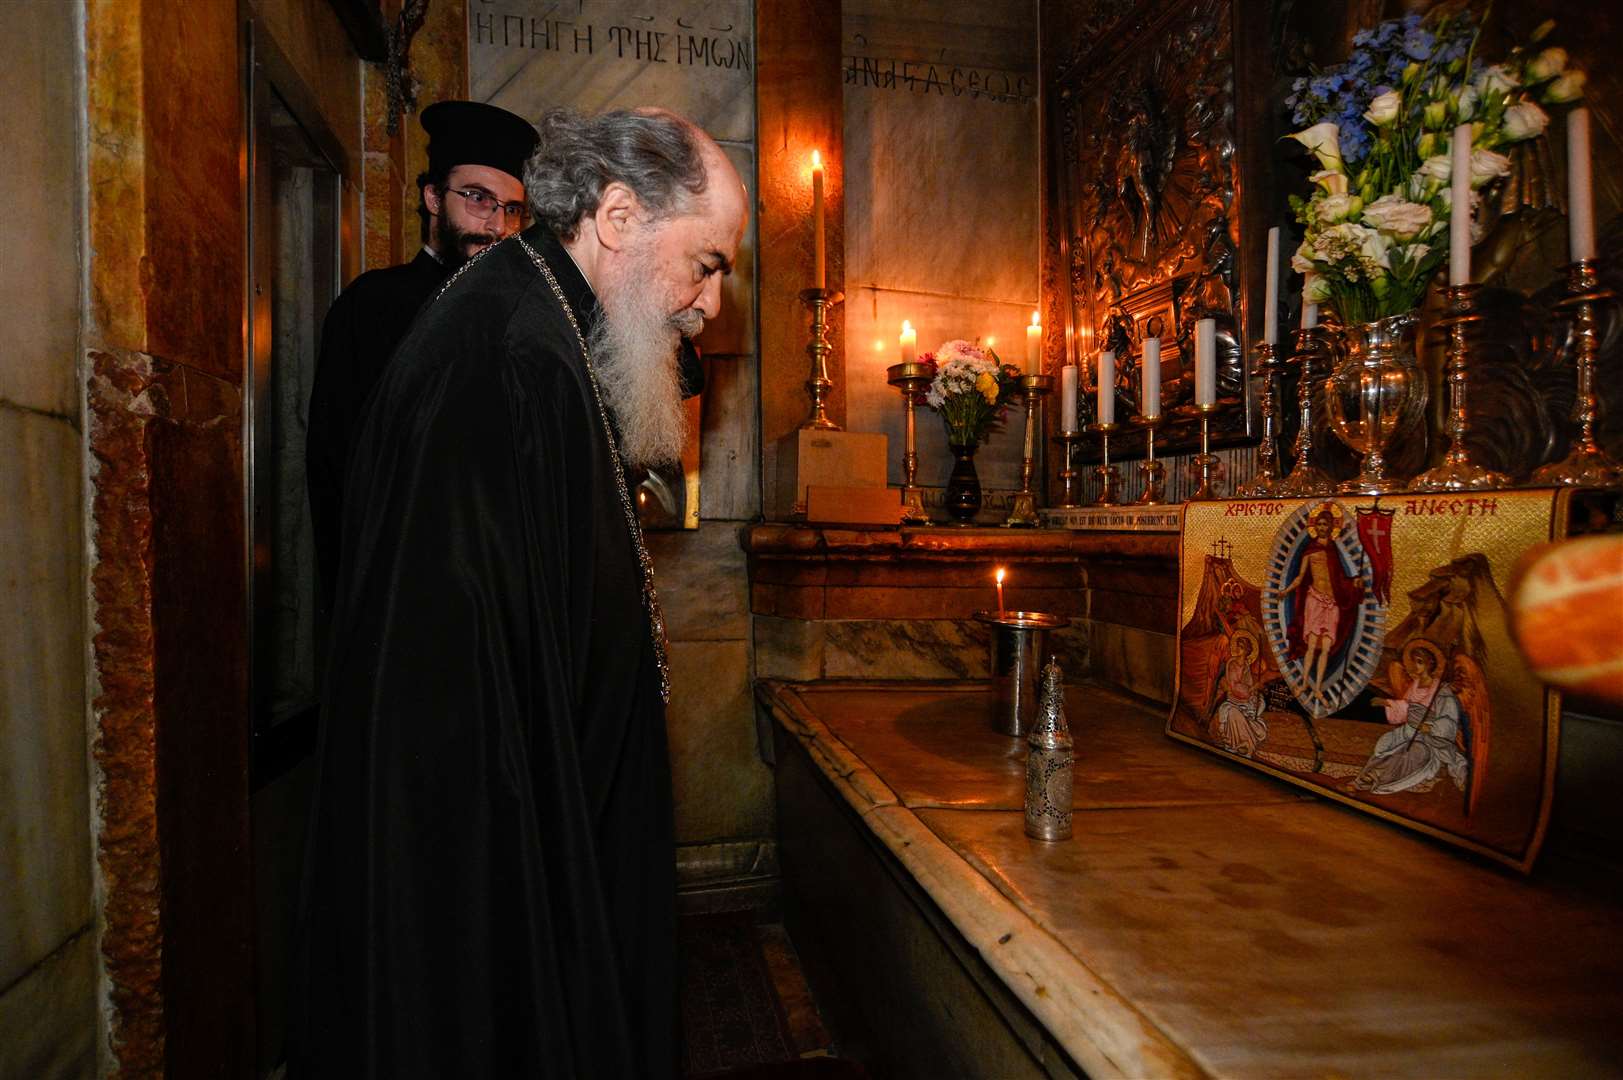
<point x="941" y="175"/>
<point x="47" y="948"/>
<point x="697" y="59"/>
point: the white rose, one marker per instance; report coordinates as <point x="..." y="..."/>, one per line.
<point x="1495" y="79"/>
<point x="1465" y="103"/>
<point x="1302" y="259"/>
<point x="1333" y="183"/>
<point x="1487" y="166"/>
<point x="1525" y="120"/>
<point x="1334" y="208"/>
<point x="1384" y="109"/>
<point x="1397" y="216"/>
<point x="1324" y="140"/>
<point x="1439" y="167"/>
<point x="1569" y="87"/>
<point x="1316" y="288"/>
<point x="1548" y="64"/>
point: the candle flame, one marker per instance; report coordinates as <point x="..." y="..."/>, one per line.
<point x="1036" y="318"/>
<point x="990" y="341"/>
<point x="906" y="326"/>
<point x="1000" y="574"/>
<point x="878" y="346"/>
<point x="817" y="160"/>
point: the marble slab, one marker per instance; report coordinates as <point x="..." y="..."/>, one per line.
<point x="936" y="748"/>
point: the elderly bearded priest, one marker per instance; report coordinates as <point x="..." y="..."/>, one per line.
<point x="490" y="886"/>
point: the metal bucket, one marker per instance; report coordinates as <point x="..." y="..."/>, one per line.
<point x="1019" y="645"/>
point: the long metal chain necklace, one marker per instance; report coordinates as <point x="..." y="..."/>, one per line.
<point x="650" y="597"/>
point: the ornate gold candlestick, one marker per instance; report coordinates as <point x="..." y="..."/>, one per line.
<point x="1457" y="472"/>
<point x="1023" y="513"/>
<point x="912" y="379"/>
<point x="819" y="300"/>
<point x="1306" y="479"/>
<point x="1586" y="465"/>
<point x="1068" y="474"/>
<point x="1154" y="471"/>
<point x="1109" y="477"/>
<point x="1205" y="460"/>
<point x="1266" y="482"/>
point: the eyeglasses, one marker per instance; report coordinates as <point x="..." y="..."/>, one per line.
<point x="483" y="205"/>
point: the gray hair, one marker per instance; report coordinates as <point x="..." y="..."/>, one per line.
<point x="657" y="154"/>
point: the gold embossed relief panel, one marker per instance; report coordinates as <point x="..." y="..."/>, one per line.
<point x="1144" y="199"/>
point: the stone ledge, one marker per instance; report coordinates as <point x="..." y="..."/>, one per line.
<point x="788" y="541"/>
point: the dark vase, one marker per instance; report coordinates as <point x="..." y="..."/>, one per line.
<point x="963" y="485"/>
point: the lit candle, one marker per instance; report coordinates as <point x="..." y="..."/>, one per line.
<point x="1107" y="387"/>
<point x="1459" y="211"/>
<point x="1149" y="402"/>
<point x="1270" y="302"/>
<point x="1206" y="362"/>
<point x="999" y="577"/>
<point x="1580" y="194"/>
<point x="910" y="342"/>
<point x="819" y="256"/>
<point x="1310" y="310"/>
<point x="1034" y="345"/>
<point x="1067" y="398"/>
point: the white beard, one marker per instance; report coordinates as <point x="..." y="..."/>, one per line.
<point x="634" y="353"/>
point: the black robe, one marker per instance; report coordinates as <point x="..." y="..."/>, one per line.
<point x="490" y="884"/>
<point x="360" y="333"/>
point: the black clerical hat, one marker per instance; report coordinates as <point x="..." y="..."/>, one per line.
<point x="473" y="133"/>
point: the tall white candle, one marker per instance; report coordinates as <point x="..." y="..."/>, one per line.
<point x="1107" y="387"/>
<point x="1270" y="302"/>
<point x="1459" y="210"/>
<point x="1310" y="310"/>
<point x="1206" y="362"/>
<point x="819" y="254"/>
<point x="1580" y="193"/>
<point x="910" y="342"/>
<point x="1034" y="345"/>
<point x="1067" y="398"/>
<point x="1149" y="403"/>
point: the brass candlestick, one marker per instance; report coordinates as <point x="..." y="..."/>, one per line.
<point x="1457" y="472"/>
<point x="1109" y="477"/>
<point x="1023" y="513"/>
<point x="1154" y="471"/>
<point x="1587" y="465"/>
<point x="819" y="300"/>
<point x="1306" y="479"/>
<point x="1266" y="481"/>
<point x="1205" y="460"/>
<point x="912" y="379"/>
<point x="1068" y="474"/>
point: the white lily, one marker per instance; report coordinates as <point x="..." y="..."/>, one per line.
<point x="1324" y="140"/>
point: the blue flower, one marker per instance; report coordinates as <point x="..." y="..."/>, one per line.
<point x="1417" y="44"/>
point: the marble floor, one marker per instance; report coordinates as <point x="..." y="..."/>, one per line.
<point x="747" y="1011"/>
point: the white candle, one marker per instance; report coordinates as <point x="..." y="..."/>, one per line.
<point x="1107" y="387"/>
<point x="910" y="342"/>
<point x="1067" y="398"/>
<point x="1206" y="362"/>
<point x="1580" y="194"/>
<point x="1149" y="403"/>
<point x="819" y="255"/>
<point x="1310" y="310"/>
<point x="1270" y="302"/>
<point x="1459" y="210"/>
<point x="1034" y="345"/>
<point x="999" y="578"/>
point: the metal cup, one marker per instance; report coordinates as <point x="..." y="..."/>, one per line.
<point x="1019" y="644"/>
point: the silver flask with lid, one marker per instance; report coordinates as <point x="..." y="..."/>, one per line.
<point x="1049" y="763"/>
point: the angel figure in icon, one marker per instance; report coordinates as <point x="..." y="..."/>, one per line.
<point x="1433" y="734"/>
<point x="1237" y="722"/>
<point x="1329" y="598"/>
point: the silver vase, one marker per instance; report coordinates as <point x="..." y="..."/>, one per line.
<point x="1377" y="398"/>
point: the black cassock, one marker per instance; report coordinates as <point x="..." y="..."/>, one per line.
<point x="490" y="884"/>
<point x="360" y="333"/>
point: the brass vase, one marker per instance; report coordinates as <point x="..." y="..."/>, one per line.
<point x="1377" y="398"/>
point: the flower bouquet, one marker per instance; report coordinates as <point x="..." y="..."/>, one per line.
<point x="1376" y="223"/>
<point x="1381" y="127"/>
<point x="971" y="390"/>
